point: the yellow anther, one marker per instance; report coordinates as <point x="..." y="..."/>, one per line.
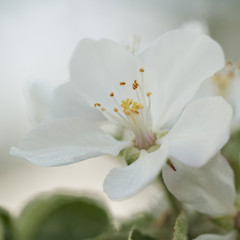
<point x="149" y="94"/>
<point x="141" y="70"/>
<point x="103" y="109"/>
<point x="134" y="111"/>
<point x="115" y="110"/>
<point x="112" y="94"/>
<point x="136" y="106"/>
<point x="135" y="85"/>
<point x="97" y="105"/>
<point x="122" y="83"/>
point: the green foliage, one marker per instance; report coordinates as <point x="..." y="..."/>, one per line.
<point x="62" y="217"/>
<point x="7" y="231"/>
<point x="226" y="222"/>
<point x="159" y="227"/>
<point x="231" y="151"/>
<point x="180" y="228"/>
<point x="135" y="234"/>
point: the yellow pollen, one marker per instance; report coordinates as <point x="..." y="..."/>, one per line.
<point x="97" y="105"/>
<point x="135" y="85"/>
<point x="122" y="83"/>
<point x="141" y="70"/>
<point x="103" y="109"/>
<point x="126" y="103"/>
<point x="149" y="94"/>
<point x="115" y="110"/>
<point x="112" y="94"/>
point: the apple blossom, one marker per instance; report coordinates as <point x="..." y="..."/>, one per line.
<point x="148" y="95"/>
<point x="225" y="83"/>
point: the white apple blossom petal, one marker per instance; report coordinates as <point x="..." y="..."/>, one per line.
<point x="126" y="181"/>
<point x="99" y="66"/>
<point x="66" y="141"/>
<point x="230" y="236"/>
<point x="209" y="189"/>
<point x="201" y="131"/>
<point x="175" y="66"/>
<point x="68" y="102"/>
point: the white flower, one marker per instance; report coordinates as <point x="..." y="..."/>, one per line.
<point x="148" y="96"/>
<point x="209" y="189"/>
<point x="225" y="83"/>
<point x="230" y="236"/>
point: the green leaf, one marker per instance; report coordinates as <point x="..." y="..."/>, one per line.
<point x="62" y="217"/>
<point x="180" y="228"/>
<point x="137" y="235"/>
<point x="7" y="231"/>
<point x="225" y="222"/>
<point x="231" y="152"/>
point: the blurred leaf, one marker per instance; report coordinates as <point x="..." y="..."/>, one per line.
<point x="137" y="235"/>
<point x="226" y="222"/>
<point x="231" y="151"/>
<point x="159" y="227"/>
<point x="111" y="236"/>
<point x="180" y="228"/>
<point x="63" y="217"/>
<point x="7" y="231"/>
<point x="199" y="223"/>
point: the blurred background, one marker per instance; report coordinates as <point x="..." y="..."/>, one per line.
<point x="37" y="38"/>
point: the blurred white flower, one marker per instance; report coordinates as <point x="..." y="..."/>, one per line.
<point x="209" y="189"/>
<point x="196" y="25"/>
<point x="229" y="236"/>
<point x="150" y="104"/>
<point x="225" y="83"/>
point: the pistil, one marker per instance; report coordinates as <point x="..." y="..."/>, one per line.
<point x="134" y="115"/>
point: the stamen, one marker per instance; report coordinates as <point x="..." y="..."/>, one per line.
<point x="127" y="112"/>
<point x="135" y="85"/>
<point x="97" y="104"/>
<point x="133" y="113"/>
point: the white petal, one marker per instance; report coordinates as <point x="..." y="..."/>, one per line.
<point x="175" y="67"/>
<point x="209" y="189"/>
<point x="66" y="141"/>
<point x="201" y="131"/>
<point x="196" y="26"/>
<point x="124" y="182"/>
<point x="99" y="66"/>
<point x="229" y="236"/>
<point x="68" y="102"/>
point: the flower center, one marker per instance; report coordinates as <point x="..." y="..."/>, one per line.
<point x="133" y="114"/>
